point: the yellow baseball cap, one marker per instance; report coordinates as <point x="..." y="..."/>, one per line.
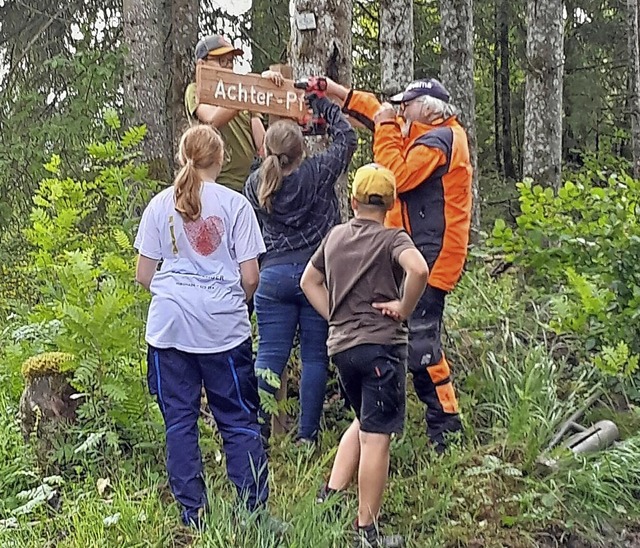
<point x="374" y="185"/>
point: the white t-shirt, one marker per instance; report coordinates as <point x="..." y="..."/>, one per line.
<point x="198" y="304"/>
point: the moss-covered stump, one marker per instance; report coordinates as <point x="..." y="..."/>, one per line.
<point x="46" y="405"/>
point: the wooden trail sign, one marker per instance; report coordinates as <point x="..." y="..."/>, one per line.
<point x="225" y="88"/>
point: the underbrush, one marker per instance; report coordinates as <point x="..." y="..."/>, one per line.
<point x="517" y="382"/>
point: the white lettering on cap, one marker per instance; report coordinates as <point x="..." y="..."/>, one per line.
<point x="420" y="85"/>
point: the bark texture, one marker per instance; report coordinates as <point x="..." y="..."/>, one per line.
<point x="46" y="412"/>
<point x="505" y="89"/>
<point x="456" y="36"/>
<point x="634" y="82"/>
<point x="497" y="116"/>
<point x="270" y="31"/>
<point x="147" y="78"/>
<point x="543" y="92"/>
<point x="325" y="50"/>
<point x="183" y="36"/>
<point x="396" y="45"/>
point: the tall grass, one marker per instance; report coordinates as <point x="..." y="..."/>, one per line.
<point x="515" y="390"/>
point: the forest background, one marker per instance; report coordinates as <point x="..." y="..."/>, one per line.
<point x="542" y="325"/>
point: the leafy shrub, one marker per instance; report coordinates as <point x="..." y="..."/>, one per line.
<point x="82" y="263"/>
<point x="581" y="245"/>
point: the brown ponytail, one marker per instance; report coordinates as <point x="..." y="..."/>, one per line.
<point x="200" y="147"/>
<point x="270" y="181"/>
<point x="284" y="145"/>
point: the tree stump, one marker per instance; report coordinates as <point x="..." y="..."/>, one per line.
<point x="46" y="406"/>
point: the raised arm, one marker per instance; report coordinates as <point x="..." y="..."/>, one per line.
<point x="331" y="163"/>
<point x="216" y="116"/>
<point x="258" y="133"/>
<point x="410" y="168"/>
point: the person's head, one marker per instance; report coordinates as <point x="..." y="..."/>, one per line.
<point x="201" y="155"/>
<point x="373" y="191"/>
<point x="215" y="49"/>
<point x="424" y="101"/>
<point x="284" y="149"/>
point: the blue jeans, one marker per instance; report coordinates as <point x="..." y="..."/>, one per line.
<point x="176" y="379"/>
<point x="282" y="308"/>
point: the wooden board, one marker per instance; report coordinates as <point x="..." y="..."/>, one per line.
<point x="224" y="88"/>
<point x="287" y="72"/>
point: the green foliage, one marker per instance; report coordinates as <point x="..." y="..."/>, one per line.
<point x="82" y="262"/>
<point x="268" y="401"/>
<point x="617" y="360"/>
<point x="583" y="244"/>
<point x="514" y="390"/>
<point x="63" y="113"/>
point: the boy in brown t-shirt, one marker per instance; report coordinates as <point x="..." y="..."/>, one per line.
<point x="353" y="280"/>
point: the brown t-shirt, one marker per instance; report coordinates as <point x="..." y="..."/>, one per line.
<point x="360" y="262"/>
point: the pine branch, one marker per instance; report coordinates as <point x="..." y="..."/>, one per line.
<point x="30" y="44"/>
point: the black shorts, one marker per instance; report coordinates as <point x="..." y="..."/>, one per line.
<point x="373" y="379"/>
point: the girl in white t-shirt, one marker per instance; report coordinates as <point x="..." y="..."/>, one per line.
<point x="207" y="239"/>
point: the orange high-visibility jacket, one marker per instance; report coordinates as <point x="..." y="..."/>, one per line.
<point x="433" y="177"/>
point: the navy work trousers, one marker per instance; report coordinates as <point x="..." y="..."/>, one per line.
<point x="176" y="378"/>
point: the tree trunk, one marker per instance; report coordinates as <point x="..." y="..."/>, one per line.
<point x="270" y="31"/>
<point x="497" y="115"/>
<point x="182" y="41"/>
<point x="323" y="50"/>
<point x="505" y="91"/>
<point x="456" y="37"/>
<point x="634" y="83"/>
<point x="396" y="45"/>
<point x="543" y="92"/>
<point x="147" y="79"/>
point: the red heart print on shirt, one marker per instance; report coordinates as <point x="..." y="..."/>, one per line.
<point x="204" y="235"/>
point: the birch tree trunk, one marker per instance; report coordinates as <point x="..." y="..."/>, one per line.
<point x="147" y="79"/>
<point x="634" y="82"/>
<point x="324" y="50"/>
<point x="456" y="37"/>
<point x="396" y="45"/>
<point x="543" y="92"/>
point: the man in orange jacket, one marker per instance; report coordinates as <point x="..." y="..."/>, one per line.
<point x="427" y="150"/>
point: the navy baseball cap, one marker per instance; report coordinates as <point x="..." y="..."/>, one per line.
<point x="418" y="88"/>
<point x="214" y="44"/>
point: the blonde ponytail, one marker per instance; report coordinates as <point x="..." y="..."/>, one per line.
<point x="187" y="192"/>
<point x="270" y="181"/>
<point x="200" y="148"/>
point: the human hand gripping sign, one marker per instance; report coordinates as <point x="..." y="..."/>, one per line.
<point x="275" y="76"/>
